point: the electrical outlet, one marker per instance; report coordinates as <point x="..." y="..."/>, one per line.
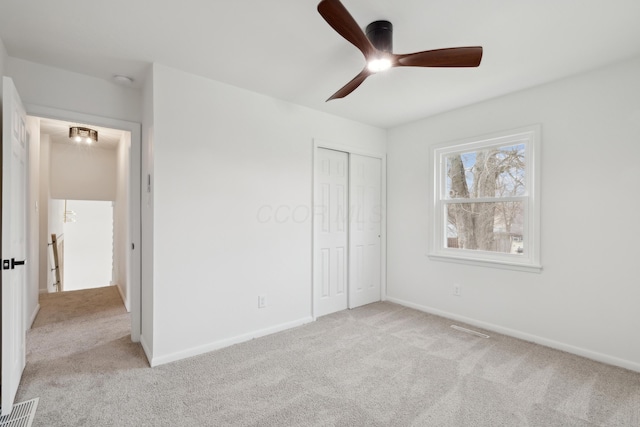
<point x="262" y="301"/>
<point x="457" y="290"/>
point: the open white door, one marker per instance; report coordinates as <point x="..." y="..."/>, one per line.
<point x="365" y="258"/>
<point x="14" y="242"/>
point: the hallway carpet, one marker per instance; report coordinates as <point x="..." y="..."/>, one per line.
<point x="378" y="365"/>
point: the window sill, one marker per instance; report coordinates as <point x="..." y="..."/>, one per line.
<point x="505" y="265"/>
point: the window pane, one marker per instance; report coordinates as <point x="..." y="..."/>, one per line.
<point x="491" y="172"/>
<point x="494" y="227"/>
<point x="511" y="171"/>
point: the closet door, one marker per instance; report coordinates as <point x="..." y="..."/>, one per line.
<point x="331" y="231"/>
<point x="365" y="249"/>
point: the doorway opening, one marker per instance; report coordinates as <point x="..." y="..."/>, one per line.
<point x="21" y="231"/>
<point x="84" y="208"/>
<point x="106" y="171"/>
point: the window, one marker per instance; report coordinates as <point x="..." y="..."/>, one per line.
<point x="485" y="203"/>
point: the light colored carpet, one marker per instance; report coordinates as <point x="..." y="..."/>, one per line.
<point x="378" y="365"/>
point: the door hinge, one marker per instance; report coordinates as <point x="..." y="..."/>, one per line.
<point x="6" y="264"/>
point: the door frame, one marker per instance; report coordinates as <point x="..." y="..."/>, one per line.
<point x="135" y="198"/>
<point x="350" y="149"/>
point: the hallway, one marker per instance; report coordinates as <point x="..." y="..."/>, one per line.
<point x="78" y="340"/>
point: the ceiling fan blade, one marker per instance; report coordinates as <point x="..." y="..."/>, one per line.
<point x="351" y="86"/>
<point x="341" y="20"/>
<point x="450" y="57"/>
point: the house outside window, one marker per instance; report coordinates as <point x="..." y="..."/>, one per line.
<point x="485" y="204"/>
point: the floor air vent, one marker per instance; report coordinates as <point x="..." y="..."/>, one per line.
<point x="21" y="415"/>
<point x="469" y="331"/>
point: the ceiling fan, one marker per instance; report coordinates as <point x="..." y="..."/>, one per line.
<point x="376" y="46"/>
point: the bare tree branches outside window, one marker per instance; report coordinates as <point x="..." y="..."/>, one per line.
<point x="483" y="189"/>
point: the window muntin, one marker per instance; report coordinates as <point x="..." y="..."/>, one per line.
<point x="485" y="204"/>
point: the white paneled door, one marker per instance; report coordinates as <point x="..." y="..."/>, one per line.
<point x="14" y="242"/>
<point x="331" y="231"/>
<point x="347" y="231"/>
<point x="365" y="214"/>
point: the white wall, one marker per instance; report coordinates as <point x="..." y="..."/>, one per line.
<point x="55" y="226"/>
<point x="121" y="243"/>
<point x="56" y="217"/>
<point x="4" y="58"/>
<point x="88" y="245"/>
<point x="586" y="300"/>
<point x="33" y="218"/>
<point x="47" y="86"/>
<point x="220" y="154"/>
<point x="146" y="213"/>
<point x="46" y="285"/>
<point x="83" y="173"/>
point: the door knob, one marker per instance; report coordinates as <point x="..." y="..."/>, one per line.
<point x="14" y="263"/>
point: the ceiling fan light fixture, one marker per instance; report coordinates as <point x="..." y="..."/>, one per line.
<point x="379" y="64"/>
<point x="376" y="44"/>
<point x="79" y="134"/>
<point x="380" y="34"/>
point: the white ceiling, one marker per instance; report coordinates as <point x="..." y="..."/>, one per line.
<point x="283" y="48"/>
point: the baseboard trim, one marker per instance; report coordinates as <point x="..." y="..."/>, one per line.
<point x="125" y="300"/>
<point x="589" y="354"/>
<point x="196" y="351"/>
<point x="34" y="315"/>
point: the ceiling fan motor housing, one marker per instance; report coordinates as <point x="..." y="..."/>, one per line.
<point x="380" y="34"/>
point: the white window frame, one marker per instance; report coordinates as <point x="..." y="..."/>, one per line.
<point x="530" y="259"/>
